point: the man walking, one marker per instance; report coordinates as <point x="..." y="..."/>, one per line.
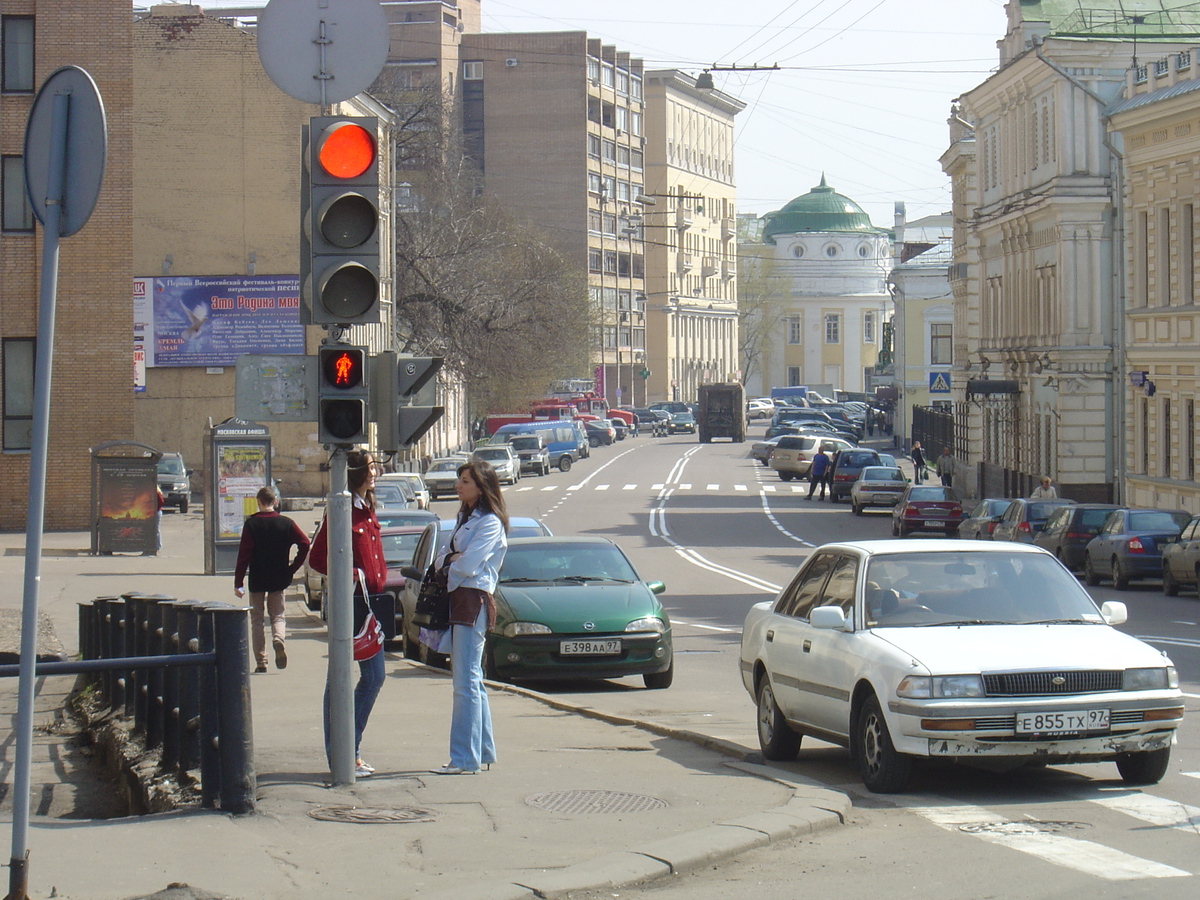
<point x="267" y="541"/>
<point x="816" y="473"/>
<point x="945" y="467"/>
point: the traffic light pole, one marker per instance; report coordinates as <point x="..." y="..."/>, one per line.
<point x="340" y="592"/>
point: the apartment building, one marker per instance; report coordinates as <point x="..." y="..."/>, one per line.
<point x="92" y="392"/>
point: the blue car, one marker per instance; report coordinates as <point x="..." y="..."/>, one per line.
<point x="1129" y="546"/>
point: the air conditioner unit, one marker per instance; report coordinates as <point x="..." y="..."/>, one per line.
<point x="510" y="62"/>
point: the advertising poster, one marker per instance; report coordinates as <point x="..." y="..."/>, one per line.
<point x="211" y="321"/>
<point x="128" y="495"/>
<point x="241" y="471"/>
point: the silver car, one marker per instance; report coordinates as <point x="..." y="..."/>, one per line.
<point x="877" y="486"/>
<point x="503" y="458"/>
<point x="441" y="475"/>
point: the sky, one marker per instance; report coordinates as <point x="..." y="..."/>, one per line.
<point x="862" y="96"/>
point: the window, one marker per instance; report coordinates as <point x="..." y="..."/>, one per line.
<point x="839" y="590"/>
<point x="593" y="221"/>
<point x="593" y="69"/>
<point x="832" y="329"/>
<point x="635" y="123"/>
<point x="593" y="259"/>
<point x="940" y="339"/>
<point x="635" y="87"/>
<point x="18" y="392"/>
<point x="610" y="186"/>
<point x="1187" y="255"/>
<point x="635" y="159"/>
<point x="1166" y="439"/>
<point x="623" y="155"/>
<point x="622" y="119"/>
<point x="610" y="262"/>
<point x="18" y="214"/>
<point x="18" y="54"/>
<point x="593" y="144"/>
<point x="793" y="376"/>
<point x="804" y="591"/>
<point x="796" y="331"/>
<point x="798" y="251"/>
<point x="1162" y="249"/>
<point x="869" y="327"/>
<point x="864" y="250"/>
<point x="622" y="81"/>
<point x="623" y="191"/>
<point x="831" y="251"/>
<point x="595" y="185"/>
<point x="606" y="75"/>
<point x="473" y="71"/>
<point x="609" y="151"/>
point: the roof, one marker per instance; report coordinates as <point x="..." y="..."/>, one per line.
<point x="822" y="210"/>
<point x="1138" y="100"/>
<point x="1143" y="19"/>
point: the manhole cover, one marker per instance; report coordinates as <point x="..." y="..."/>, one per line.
<point x="1020" y="828"/>
<point x="367" y="815"/>
<point x="592" y="802"/>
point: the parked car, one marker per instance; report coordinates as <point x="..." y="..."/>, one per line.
<point x="761" y="450"/>
<point x="415" y="482"/>
<point x="565" y="439"/>
<point x="394" y="495"/>
<point x="175" y="481"/>
<point x="759" y="409"/>
<point x="886" y="459"/>
<point x="576" y="608"/>
<point x="846" y="467"/>
<point x="1069" y="529"/>
<point x="1025" y="518"/>
<point x="653" y="421"/>
<point x="600" y="432"/>
<point x="441" y="475"/>
<point x="1129" y="546"/>
<point x="398" y="544"/>
<point x="531" y="451"/>
<point x="620" y="429"/>
<point x="982" y="519"/>
<point x="681" y="422"/>
<point x="962" y="652"/>
<point x="927" y="507"/>
<point x="793" y="453"/>
<point x="1181" y="559"/>
<point x="877" y="486"/>
<point x="430" y="544"/>
<point x="503" y="458"/>
<point x="395" y="518"/>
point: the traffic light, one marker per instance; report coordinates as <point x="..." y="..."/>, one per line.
<point x="341" y="221"/>
<point x="403" y="399"/>
<point x="342" y="394"/>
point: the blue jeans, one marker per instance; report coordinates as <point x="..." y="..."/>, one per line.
<point x="471" y="744"/>
<point x="370" y="679"/>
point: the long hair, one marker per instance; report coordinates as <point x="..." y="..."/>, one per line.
<point x="490" y="498"/>
<point x="358" y="463"/>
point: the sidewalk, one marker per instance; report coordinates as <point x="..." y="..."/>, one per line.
<point x="575" y="802"/>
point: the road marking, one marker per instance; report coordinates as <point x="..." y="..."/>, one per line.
<point x="657" y="487"/>
<point x="1178" y="642"/>
<point x="629" y="487"/>
<point x="1191" y="774"/>
<point x="685" y="487"/>
<point x="551" y="487"/>
<point x="720" y="628"/>
<point x="1072" y="853"/>
<point x="739" y="487"/>
<point x="714" y="487"/>
<point x="1156" y="810"/>
<point x="519" y="490"/>
<point x="769" y="488"/>
<point x="602" y="487"/>
<point x="1183" y="623"/>
<point x="779" y="525"/>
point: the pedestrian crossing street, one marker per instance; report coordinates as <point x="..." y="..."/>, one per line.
<point x="798" y="488"/>
<point x="1059" y="840"/>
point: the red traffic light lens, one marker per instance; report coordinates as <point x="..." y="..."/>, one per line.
<point x="347" y="150"/>
<point x="343" y="368"/>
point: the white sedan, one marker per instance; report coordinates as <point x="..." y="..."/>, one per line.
<point x="960" y="651"/>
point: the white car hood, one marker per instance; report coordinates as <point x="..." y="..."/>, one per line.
<point x="966" y="649"/>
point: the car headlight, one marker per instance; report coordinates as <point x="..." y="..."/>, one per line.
<point x="1157" y="679"/>
<point x="649" y="623"/>
<point x="513" y="629"/>
<point x="924" y="687"/>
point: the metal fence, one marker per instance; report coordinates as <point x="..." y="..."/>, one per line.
<point x="180" y="670"/>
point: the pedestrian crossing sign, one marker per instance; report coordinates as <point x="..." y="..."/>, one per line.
<point x="939" y="382"/>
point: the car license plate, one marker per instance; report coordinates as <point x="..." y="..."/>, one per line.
<point x="936" y="523"/>
<point x="589" y="648"/>
<point x="1069" y="722"/>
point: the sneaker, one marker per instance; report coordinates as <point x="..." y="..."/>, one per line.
<point x="362" y="765"/>
<point x="280" y="654"/>
<point x="260" y="670"/>
<point x="363" y="771"/>
<point x="453" y="770"/>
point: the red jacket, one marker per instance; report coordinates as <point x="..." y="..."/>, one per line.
<point x="365" y="543"/>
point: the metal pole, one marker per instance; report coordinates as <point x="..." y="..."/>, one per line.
<point x="36" y="510"/>
<point x="235" y="740"/>
<point x="340" y="592"/>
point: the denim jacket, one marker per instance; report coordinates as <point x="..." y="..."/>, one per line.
<point x="482" y="542"/>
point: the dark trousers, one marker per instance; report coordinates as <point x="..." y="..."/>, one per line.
<point x="812" y="486"/>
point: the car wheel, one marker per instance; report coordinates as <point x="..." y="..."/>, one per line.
<point x="785" y="476"/>
<point x="546" y="469"/>
<point x="775" y="736"/>
<point x="183" y="505"/>
<point x="855" y="507"/>
<point x="895" y="528"/>
<point x="432" y="657"/>
<point x="1119" y="576"/>
<point x="564" y="464"/>
<point x="1170" y="585"/>
<point x="1144" y="767"/>
<point x="593" y="441"/>
<point x="1090" y="575"/>
<point x="411" y="648"/>
<point x="660" y="681"/>
<point x="883" y="770"/>
<point x="311" y="600"/>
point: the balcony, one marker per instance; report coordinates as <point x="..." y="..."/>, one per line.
<point x="683" y="217"/>
<point x="728" y="269"/>
<point x="708" y="266"/>
<point x="683" y="262"/>
<point x="728" y="228"/>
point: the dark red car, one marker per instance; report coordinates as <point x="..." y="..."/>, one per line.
<point x="927" y="507"/>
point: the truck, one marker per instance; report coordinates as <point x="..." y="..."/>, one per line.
<point x="796" y="392"/>
<point x="721" y="412"/>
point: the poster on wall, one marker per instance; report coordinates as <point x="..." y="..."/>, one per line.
<point x="211" y="321"/>
<point x="128" y="506"/>
<point x="241" y="471"/>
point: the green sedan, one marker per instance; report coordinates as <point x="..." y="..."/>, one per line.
<point x="575" y="607"/>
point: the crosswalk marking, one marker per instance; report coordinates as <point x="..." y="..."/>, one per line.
<point x="629" y="487"/>
<point x="550" y="487"/>
<point x="1026" y="837"/>
<point x="685" y="487"/>
<point x="714" y="487"/>
<point x="739" y="487"/>
<point x="769" y="488"/>
<point x="1155" y="810"/>
<point x="602" y="487"/>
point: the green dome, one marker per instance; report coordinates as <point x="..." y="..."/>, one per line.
<point x="821" y="209"/>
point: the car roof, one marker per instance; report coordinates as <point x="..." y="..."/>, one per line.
<point x="402" y="529"/>
<point x="881" y="547"/>
<point x="578" y="540"/>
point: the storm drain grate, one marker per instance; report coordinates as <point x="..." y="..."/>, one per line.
<point x="1011" y="829"/>
<point x="593" y="802"/>
<point x="367" y="815"/>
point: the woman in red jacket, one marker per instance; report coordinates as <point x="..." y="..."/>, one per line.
<point x="370" y="567"/>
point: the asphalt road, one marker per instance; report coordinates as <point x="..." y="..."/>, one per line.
<point x="725" y="533"/>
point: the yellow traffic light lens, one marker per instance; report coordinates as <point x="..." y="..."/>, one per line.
<point x="347" y="150"/>
<point x="348" y="220"/>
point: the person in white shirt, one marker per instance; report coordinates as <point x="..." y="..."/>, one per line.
<point x="1045" y="491"/>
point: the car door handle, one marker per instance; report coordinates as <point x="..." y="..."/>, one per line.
<point x="807" y="646"/>
<point x="770" y="636"/>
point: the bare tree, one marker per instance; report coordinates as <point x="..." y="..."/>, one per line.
<point x="759" y="316"/>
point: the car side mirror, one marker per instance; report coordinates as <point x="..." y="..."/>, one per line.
<point x="411" y="572"/>
<point x="1114" y="612"/>
<point x="656" y="587"/>
<point x="828" y="618"/>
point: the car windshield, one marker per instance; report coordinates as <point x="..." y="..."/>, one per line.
<point x="565" y="562"/>
<point x="392" y="492"/>
<point x="484" y="453"/>
<point x="973" y="588"/>
<point x="171" y="465"/>
<point x="389" y="518"/>
<point x="398" y="548"/>
<point x="881" y="473"/>
<point x="857" y="460"/>
<point x="449" y="466"/>
<point x="1157" y="520"/>
<point x="932" y="493"/>
<point x="1039" y="512"/>
<point x="524" y="443"/>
